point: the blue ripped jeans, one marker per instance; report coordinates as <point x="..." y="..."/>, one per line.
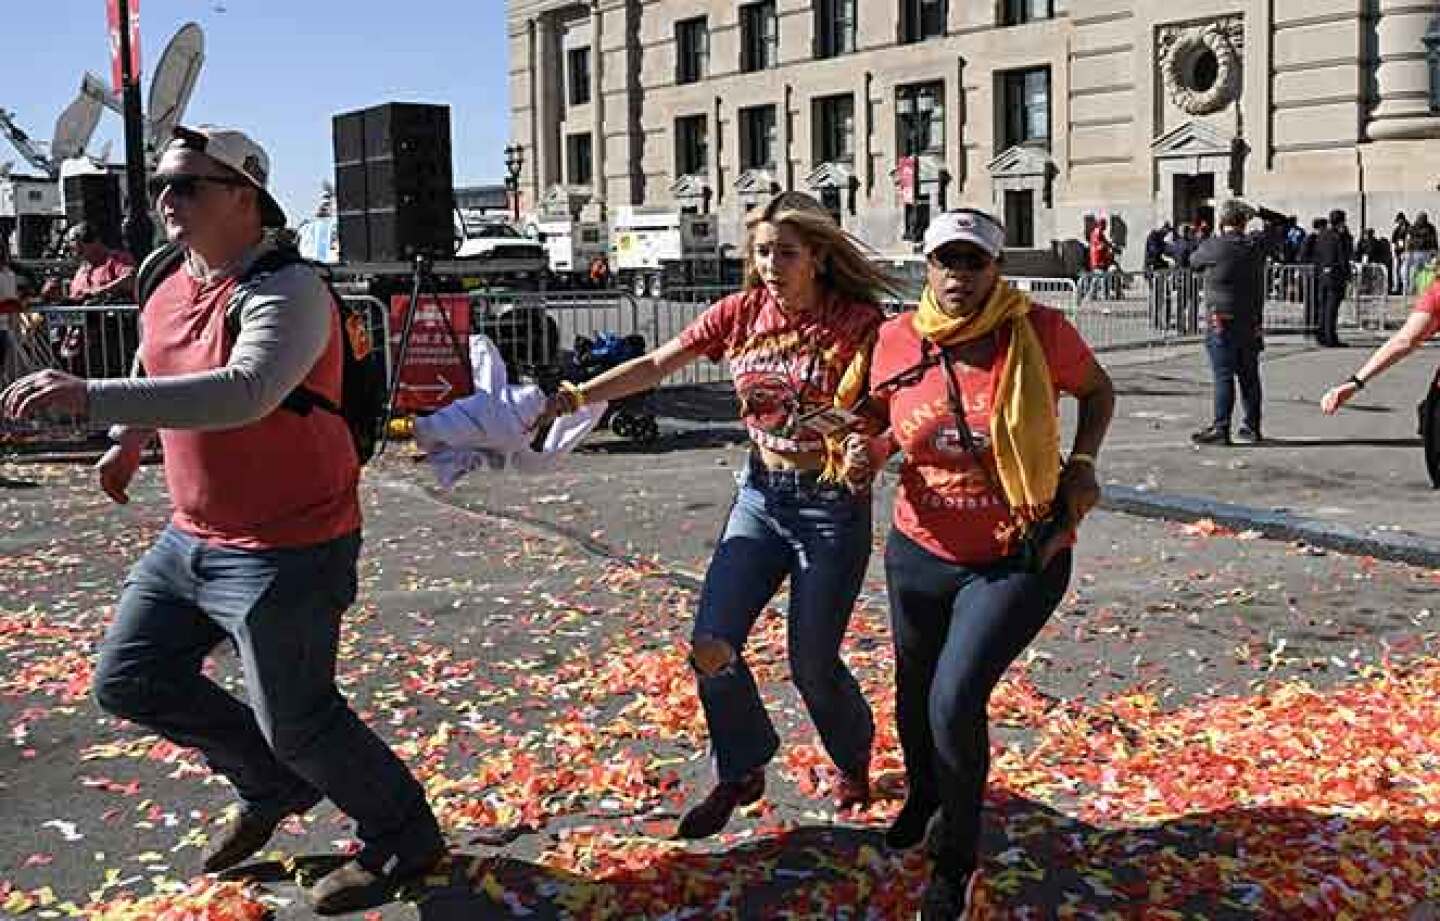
<point x="786" y="524"/>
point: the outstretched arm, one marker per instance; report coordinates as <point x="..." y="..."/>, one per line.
<point x="634" y="376"/>
<point x="1418" y="327"/>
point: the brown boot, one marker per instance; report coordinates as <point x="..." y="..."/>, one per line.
<point x="709" y="815"/>
<point x="247" y="833"/>
<point x="353" y="885"/>
<point x="241" y="838"/>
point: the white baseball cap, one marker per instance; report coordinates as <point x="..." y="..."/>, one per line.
<point x="236" y="151"/>
<point x="965" y="225"/>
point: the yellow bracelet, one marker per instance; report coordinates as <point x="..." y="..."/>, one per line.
<point x="573" y="394"/>
<point x="1087" y="459"/>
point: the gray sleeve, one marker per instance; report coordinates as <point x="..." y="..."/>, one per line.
<point x="284" y="328"/>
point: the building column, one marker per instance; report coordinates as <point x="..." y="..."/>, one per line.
<point x="1403" y="77"/>
<point x="530" y="188"/>
<point x="864" y="136"/>
<point x="782" y="136"/>
<point x="546" y="116"/>
<point x="597" y="105"/>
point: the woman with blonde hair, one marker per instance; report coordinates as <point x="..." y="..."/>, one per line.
<point x="808" y="312"/>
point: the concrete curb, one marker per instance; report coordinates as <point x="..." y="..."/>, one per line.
<point x="1395" y="546"/>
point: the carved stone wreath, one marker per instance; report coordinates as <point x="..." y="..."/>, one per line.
<point x="1201" y="65"/>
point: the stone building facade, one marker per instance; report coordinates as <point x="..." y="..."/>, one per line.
<point x="1045" y="111"/>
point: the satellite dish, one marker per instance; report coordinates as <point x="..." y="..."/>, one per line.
<point x="174" y="81"/>
<point x="75" y="126"/>
<point x="98" y="89"/>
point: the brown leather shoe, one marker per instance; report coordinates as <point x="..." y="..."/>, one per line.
<point x="709" y="815"/>
<point x="241" y="838"/>
<point x="353" y="885"/>
<point x="853" y="790"/>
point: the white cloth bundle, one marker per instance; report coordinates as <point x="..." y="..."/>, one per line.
<point x="491" y="428"/>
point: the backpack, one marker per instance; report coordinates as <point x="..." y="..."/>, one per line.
<point x="363" y="390"/>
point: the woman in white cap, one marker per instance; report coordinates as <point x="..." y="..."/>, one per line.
<point x="806" y="317"/>
<point x="985" y="515"/>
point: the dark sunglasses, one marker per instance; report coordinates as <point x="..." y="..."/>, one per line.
<point x="187" y="186"/>
<point x="960" y="260"/>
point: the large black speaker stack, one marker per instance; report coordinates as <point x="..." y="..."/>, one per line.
<point x="95" y="199"/>
<point x="394" y="188"/>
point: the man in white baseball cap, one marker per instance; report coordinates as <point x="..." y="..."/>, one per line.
<point x="242" y="364"/>
<point x="237" y="156"/>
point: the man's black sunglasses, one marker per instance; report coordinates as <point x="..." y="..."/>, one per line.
<point x="186" y="186"/>
<point x="960" y="260"/>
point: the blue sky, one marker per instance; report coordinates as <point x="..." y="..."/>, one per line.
<point x="279" y="69"/>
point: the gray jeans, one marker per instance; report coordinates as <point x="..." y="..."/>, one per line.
<point x="298" y="740"/>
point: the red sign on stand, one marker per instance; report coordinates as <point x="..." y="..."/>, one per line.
<point x="437" y="363"/>
<point x="112" y="13"/>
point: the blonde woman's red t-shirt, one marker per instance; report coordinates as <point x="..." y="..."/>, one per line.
<point x="945" y="502"/>
<point x="770" y="354"/>
<point x="1429" y="303"/>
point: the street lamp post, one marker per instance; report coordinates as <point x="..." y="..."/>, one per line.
<point x="514" y="163"/>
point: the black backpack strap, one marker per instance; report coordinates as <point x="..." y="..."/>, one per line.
<point x="302" y="399"/>
<point x="155" y="268"/>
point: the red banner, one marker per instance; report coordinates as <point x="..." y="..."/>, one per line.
<point x="907" y="170"/>
<point x="112" y="16"/>
<point x="437" y="363"/>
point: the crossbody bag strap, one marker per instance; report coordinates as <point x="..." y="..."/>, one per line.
<point x="955" y="396"/>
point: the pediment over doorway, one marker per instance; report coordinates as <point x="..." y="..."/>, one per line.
<point x="1193" y="139"/>
<point x="1020" y="162"/>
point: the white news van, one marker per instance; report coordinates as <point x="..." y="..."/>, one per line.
<point x="571" y="246"/>
<point x="645" y="241"/>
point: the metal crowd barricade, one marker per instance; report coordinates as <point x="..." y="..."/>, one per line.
<point x="87" y="341"/>
<point x="1109" y="308"/>
<point x="1367" y="302"/>
<point x="96" y="342"/>
<point x="536" y="331"/>
<point x="1175" y="303"/>
<point x="1060" y="293"/>
<point x="1291" y="297"/>
<point x="672" y="313"/>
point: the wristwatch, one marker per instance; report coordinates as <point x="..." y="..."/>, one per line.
<point x="1355" y="379"/>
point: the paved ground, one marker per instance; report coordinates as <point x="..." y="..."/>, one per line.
<point x="1215" y="724"/>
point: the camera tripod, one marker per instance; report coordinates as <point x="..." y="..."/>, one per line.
<point x="422" y="282"/>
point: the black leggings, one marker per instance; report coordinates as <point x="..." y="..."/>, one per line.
<point x="957" y="629"/>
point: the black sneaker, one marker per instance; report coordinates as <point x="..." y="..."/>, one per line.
<point x="910" y="824"/>
<point x="948" y="897"/>
<point x="1246" y="435"/>
<point x="1211" y="436"/>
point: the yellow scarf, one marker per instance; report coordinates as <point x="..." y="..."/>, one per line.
<point x="1024" y="429"/>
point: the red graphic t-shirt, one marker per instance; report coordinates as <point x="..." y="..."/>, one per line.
<point x="783" y="366"/>
<point x="946" y="503"/>
<point x="1429" y="303"/>
<point x="91" y="278"/>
